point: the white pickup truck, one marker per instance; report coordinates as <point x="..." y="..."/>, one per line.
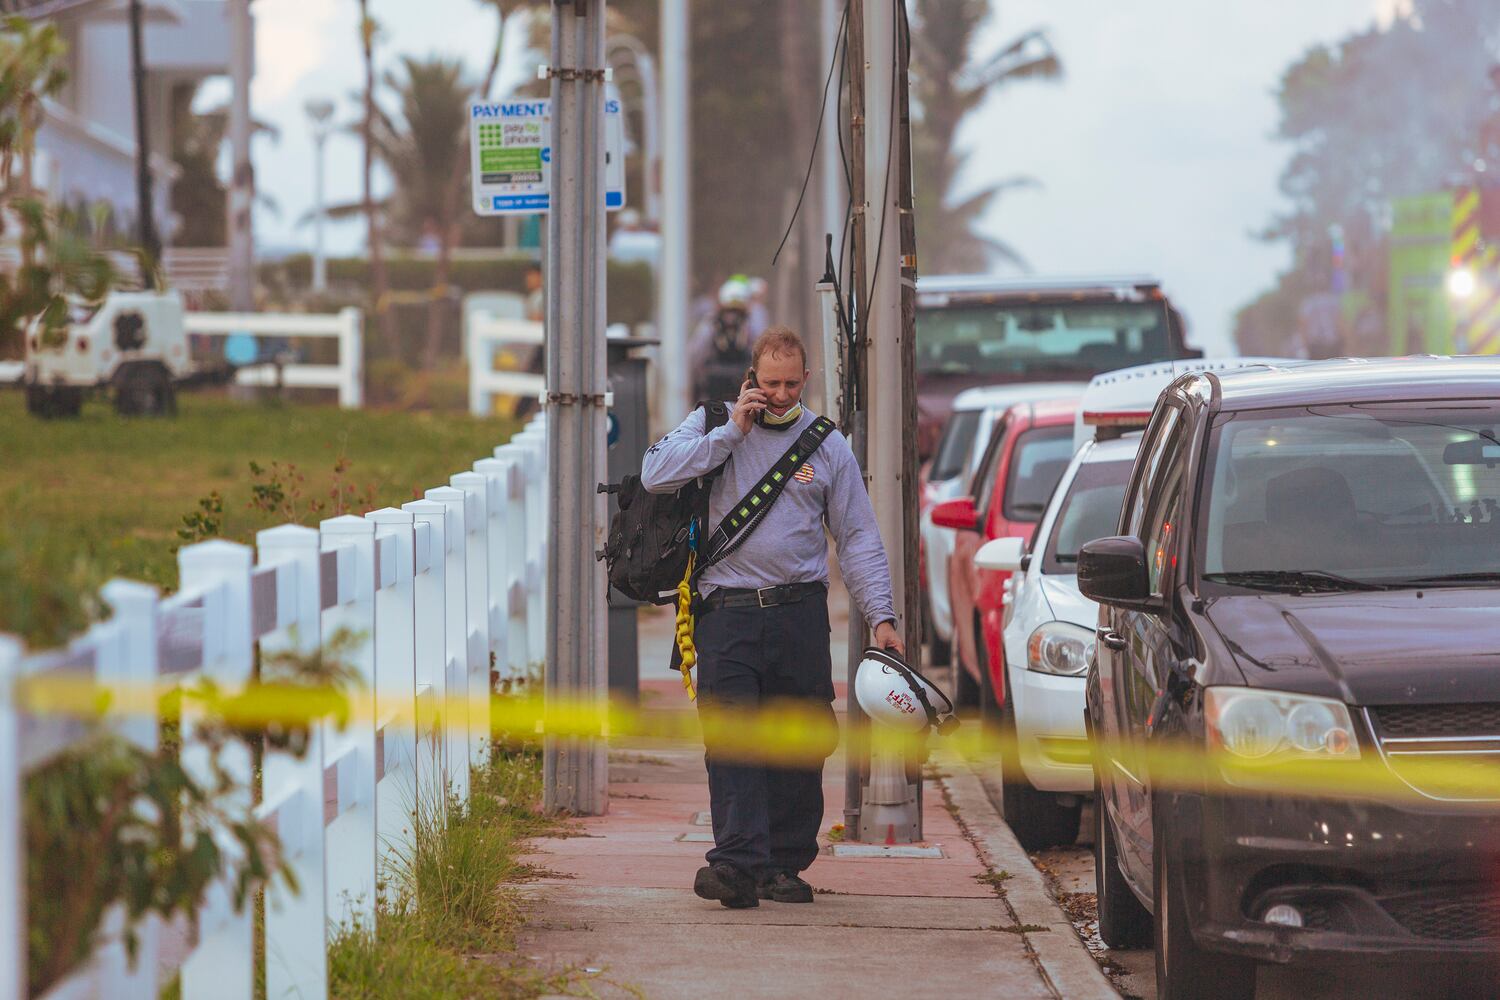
<point x="134" y="345"/>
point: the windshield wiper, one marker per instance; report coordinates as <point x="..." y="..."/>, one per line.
<point x="1479" y="576"/>
<point x="1296" y="581"/>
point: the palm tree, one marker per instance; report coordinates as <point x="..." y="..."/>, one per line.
<point x="425" y="145"/>
<point x="379" y="297"/>
<point x="947" y="87"/>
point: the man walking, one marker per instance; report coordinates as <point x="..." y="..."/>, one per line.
<point x="762" y="632"/>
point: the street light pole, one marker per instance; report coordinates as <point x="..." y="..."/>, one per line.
<point x="242" y="176"/>
<point x="639" y="59"/>
<point x="676" y="229"/>
<point x="575" y="771"/>
<point x="321" y="112"/>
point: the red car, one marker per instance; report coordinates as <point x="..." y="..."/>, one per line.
<point x="1027" y="455"/>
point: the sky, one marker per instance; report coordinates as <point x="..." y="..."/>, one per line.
<point x="1155" y="152"/>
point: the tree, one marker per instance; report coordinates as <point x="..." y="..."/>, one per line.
<point x="1382" y="114"/>
<point x="946" y="86"/>
<point x="426" y="148"/>
<point x="55" y="262"/>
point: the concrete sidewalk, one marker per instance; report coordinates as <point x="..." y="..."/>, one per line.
<point x="621" y="903"/>
<point x="972" y="918"/>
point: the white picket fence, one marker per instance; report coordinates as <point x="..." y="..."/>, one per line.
<point x="346" y="326"/>
<point x="433" y="588"/>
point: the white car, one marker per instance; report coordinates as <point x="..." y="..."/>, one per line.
<point x="954" y="463"/>
<point x="1049" y="637"/>
<point x="1049" y="626"/>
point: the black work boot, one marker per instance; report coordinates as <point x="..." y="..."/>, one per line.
<point x="726" y="883"/>
<point x="784" y="887"/>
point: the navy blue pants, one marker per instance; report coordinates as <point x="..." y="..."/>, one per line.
<point x="765" y="818"/>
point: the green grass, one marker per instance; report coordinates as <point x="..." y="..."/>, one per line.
<point x="84" y="500"/>
<point x="449" y="914"/>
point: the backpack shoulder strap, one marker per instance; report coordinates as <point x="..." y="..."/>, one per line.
<point x="751" y="508"/>
<point x="715" y="414"/>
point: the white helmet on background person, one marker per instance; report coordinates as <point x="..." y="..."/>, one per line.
<point x="894" y="694"/>
<point x="734" y="293"/>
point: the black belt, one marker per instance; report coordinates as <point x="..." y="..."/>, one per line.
<point x="765" y="597"/>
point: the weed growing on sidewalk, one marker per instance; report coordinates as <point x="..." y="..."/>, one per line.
<point x="449" y="914"/>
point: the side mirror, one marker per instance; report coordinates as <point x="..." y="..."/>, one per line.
<point x="1003" y="554"/>
<point x="958" y="513"/>
<point x="1113" y="571"/>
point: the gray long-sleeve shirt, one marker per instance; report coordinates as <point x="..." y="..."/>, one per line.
<point x="788" y="546"/>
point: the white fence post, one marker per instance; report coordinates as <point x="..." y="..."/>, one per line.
<point x="348" y="600"/>
<point x="125" y="660"/>
<point x="518" y="643"/>
<point x="13" y="935"/>
<point x="429" y="601"/>
<point x="476" y="489"/>
<point x="296" y="922"/>
<point x="502" y="511"/>
<point x="221" y="967"/>
<point x="395" y="682"/>
<point x="351" y="359"/>
<point x="534" y="446"/>
<point x="456" y="710"/>
<point x="481" y="335"/>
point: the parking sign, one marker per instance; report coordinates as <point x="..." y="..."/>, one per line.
<point x="510" y="151"/>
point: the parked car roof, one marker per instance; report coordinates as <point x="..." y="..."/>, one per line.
<point x="998" y="396"/>
<point x="1348" y="380"/>
<point x="1128" y="287"/>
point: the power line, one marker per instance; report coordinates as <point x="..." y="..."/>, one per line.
<point x="812" y="158"/>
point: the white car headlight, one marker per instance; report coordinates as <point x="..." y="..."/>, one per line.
<point x="1267" y="726"/>
<point x="1060" y="648"/>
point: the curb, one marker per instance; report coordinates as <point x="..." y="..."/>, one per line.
<point x="1062" y="958"/>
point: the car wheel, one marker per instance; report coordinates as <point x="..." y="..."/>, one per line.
<point x="1123" y="921"/>
<point x="1185" y="971"/>
<point x="1037" y="818"/>
<point x="145" y="392"/>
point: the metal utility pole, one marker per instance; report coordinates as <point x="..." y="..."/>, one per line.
<point x="575" y="771"/>
<point x="145" y="204"/>
<point x="675" y="288"/>
<point x="890" y="806"/>
<point x="242" y="176"/>
<point x="831" y="170"/>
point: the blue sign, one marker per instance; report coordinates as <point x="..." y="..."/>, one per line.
<point x="611" y="429"/>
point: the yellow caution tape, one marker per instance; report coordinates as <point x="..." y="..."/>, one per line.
<point x="788" y="733"/>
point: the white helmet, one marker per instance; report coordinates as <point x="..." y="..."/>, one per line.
<point x="734" y="293"/>
<point x="893" y="693"/>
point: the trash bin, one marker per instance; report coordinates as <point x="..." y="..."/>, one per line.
<point x="628" y="438"/>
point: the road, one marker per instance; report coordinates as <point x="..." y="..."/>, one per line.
<point x="1070" y="872"/>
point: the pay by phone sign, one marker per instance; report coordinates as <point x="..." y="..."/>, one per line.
<point x="510" y="153"/>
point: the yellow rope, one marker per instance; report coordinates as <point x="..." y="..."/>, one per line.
<point x="685" y="627"/>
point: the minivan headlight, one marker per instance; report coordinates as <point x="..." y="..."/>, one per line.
<point x="1060" y="648"/>
<point x="1270" y="726"/>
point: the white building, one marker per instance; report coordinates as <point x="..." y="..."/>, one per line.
<point x="86" y="148"/>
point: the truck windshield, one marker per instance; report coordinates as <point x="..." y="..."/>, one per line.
<point x="1089" y="510"/>
<point x="1346" y="497"/>
<point x="1026" y="340"/>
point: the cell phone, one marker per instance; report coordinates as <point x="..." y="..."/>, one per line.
<point x="760" y="418"/>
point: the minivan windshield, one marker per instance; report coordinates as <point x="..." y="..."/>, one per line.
<point x="1089" y="510"/>
<point x="1028" y="340"/>
<point x="1356" y="496"/>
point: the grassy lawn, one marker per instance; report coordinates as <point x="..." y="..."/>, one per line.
<point x="84" y="500"/>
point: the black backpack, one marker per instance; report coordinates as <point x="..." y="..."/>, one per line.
<point x="647" y="551"/>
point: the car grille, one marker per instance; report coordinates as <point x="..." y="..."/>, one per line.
<point x="1448" y="752"/>
<point x="1475" y="719"/>
<point x="1448" y="920"/>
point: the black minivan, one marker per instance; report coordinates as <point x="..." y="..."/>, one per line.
<point x="1295" y="701"/>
